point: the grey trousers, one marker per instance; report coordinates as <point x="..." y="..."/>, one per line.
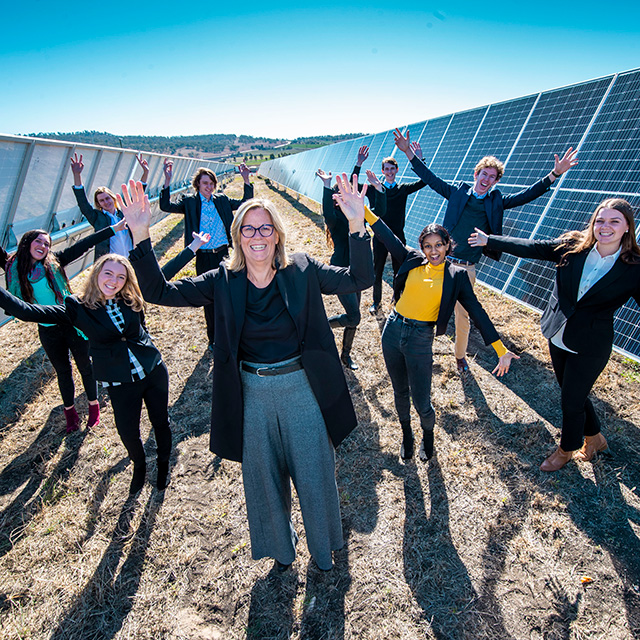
<point x="285" y="438"/>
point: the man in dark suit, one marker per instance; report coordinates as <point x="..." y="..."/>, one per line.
<point x="206" y="212"/>
<point x="104" y="214"/>
<point x="477" y="206"/>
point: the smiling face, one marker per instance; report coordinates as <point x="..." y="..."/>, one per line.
<point x="206" y="187"/>
<point x="111" y="279"/>
<point x="106" y="202"/>
<point x="484" y="180"/>
<point x="389" y="170"/>
<point x="258" y="251"/>
<point x="434" y="249"/>
<point x="39" y="248"/>
<point x="609" y="227"/>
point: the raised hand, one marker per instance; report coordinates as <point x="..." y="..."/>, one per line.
<point x="199" y="239"/>
<point x="417" y="149"/>
<point x="568" y="161"/>
<point x="76" y="169"/>
<point x="136" y="209"/>
<point x="375" y="181"/>
<point x="167" y="168"/>
<point x="145" y="168"/>
<point x="363" y="154"/>
<point x="325" y="177"/>
<point x="479" y="238"/>
<point x="504" y="363"/>
<point x="245" y="172"/>
<point x="351" y="201"/>
<point x="403" y="143"/>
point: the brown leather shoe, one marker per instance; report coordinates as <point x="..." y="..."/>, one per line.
<point x="591" y="446"/>
<point x="556" y="460"/>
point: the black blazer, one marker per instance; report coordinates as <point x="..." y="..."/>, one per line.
<point x="191" y="206"/>
<point x="107" y="346"/>
<point x="495" y="203"/>
<point x="589" y="321"/>
<point x="97" y="218"/>
<point x="301" y="285"/>
<point x="456" y="286"/>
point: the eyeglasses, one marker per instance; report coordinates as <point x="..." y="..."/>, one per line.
<point x="248" y="231"/>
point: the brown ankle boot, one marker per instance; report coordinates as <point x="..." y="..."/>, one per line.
<point x="591" y="446"/>
<point x="556" y="460"/>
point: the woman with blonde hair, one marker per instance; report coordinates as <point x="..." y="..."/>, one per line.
<point x="280" y="399"/>
<point x="598" y="270"/>
<point x="110" y="313"/>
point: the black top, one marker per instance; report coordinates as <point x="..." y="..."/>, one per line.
<point x="473" y="215"/>
<point x="268" y="333"/>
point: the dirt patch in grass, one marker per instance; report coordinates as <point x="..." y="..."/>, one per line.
<point x="477" y="544"/>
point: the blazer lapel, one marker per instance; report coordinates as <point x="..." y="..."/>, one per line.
<point x="617" y="271"/>
<point x="577" y="267"/>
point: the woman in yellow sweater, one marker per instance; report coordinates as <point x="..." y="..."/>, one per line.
<point x="426" y="289"/>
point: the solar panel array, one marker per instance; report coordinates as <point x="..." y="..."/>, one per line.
<point x="36" y="187"/>
<point x="601" y="118"/>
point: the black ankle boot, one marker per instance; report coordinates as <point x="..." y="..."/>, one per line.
<point x="426" y="448"/>
<point x="137" y="481"/>
<point x="406" y="450"/>
<point x="162" y="481"/>
<point x="347" y="343"/>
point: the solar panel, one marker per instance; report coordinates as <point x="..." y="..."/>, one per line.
<point x="600" y="117"/>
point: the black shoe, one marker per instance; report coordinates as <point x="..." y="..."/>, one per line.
<point x="374" y="308"/>
<point x="162" y="480"/>
<point x="348" y="362"/>
<point x="281" y="568"/>
<point x="137" y="481"/>
<point x="426" y="447"/>
<point x="211" y="347"/>
<point x="406" y="448"/>
<point x="463" y="365"/>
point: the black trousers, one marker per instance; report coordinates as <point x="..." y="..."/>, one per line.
<point x="380" y="253"/>
<point x="126" y="401"/>
<point x="205" y="261"/>
<point x="58" y="341"/>
<point x="576" y="376"/>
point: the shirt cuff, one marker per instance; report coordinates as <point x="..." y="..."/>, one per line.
<point x="369" y="216"/>
<point x="499" y="347"/>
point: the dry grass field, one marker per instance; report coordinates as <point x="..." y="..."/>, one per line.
<point x="477" y="544"/>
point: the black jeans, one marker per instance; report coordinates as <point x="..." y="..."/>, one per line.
<point x="126" y="401"/>
<point x="407" y="347"/>
<point x="576" y="376"/>
<point x="380" y="253"/>
<point x="58" y="341"/>
<point x="205" y="261"/>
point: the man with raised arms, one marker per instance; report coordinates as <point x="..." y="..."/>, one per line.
<point x="477" y="206"/>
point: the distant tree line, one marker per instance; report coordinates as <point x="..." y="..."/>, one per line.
<point x="215" y="143"/>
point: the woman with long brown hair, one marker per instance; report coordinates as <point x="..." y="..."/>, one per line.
<point x="110" y="313"/>
<point x="598" y="270"/>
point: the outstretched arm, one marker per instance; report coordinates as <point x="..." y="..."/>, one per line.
<point x="136" y="209"/>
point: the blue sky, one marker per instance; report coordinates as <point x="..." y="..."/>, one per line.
<point x="280" y="69"/>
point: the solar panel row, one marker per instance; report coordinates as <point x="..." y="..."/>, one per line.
<point x="600" y="118"/>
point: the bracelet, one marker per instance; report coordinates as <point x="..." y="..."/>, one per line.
<point x="556" y="175"/>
